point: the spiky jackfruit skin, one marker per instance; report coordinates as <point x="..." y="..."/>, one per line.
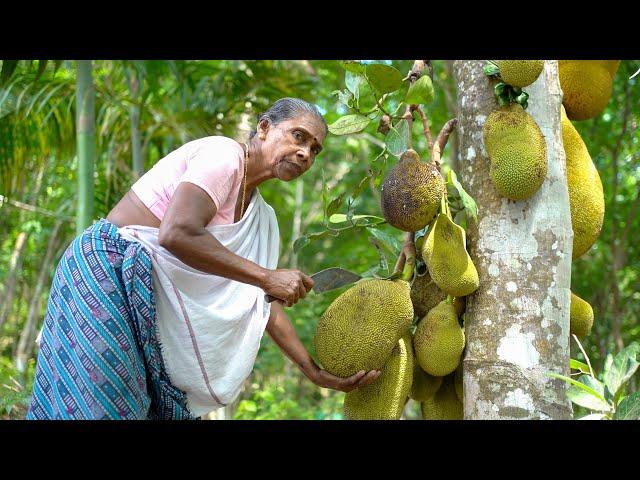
<point x="444" y="405"/>
<point x="586" y="86"/>
<point x="360" y="327"/>
<point x="520" y="73"/>
<point x="449" y="264"/>
<point x="411" y="193"/>
<point x="424" y="386"/>
<point x="425" y="294"/>
<point x="384" y="398"/>
<point x="586" y="196"/>
<point x="581" y="316"/>
<point x="439" y="341"/>
<point x="517" y="151"/>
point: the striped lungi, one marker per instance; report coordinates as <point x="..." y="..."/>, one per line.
<point x="99" y="354"/>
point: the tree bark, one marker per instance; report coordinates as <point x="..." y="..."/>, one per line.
<point x="86" y="143"/>
<point x="517" y="322"/>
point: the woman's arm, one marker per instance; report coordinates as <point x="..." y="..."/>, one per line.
<point x="282" y="332"/>
<point x="183" y="232"/>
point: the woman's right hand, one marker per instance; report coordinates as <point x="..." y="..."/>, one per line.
<point x="287" y="285"/>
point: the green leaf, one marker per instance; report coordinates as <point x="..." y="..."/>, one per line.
<point x="622" y="369"/>
<point x="353" y="66"/>
<point x="397" y="140"/>
<point x="345" y="97"/>
<point x="629" y="408"/>
<point x="580" y="396"/>
<point x="384" y="78"/>
<point x="42" y="65"/>
<point x="578" y="384"/>
<point x="341" y="217"/>
<point x="578" y="365"/>
<point x="421" y="91"/>
<point x="390" y="242"/>
<point x="352" y="81"/>
<point x="349" y="124"/>
<point x="467" y="200"/>
<point x="334" y="205"/>
<point x="300" y="243"/>
<point x="8" y="67"/>
<point x="491" y="69"/>
<point x="383" y="263"/>
<point x="593" y="416"/>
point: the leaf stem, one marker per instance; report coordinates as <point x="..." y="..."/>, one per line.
<point x="583" y="353"/>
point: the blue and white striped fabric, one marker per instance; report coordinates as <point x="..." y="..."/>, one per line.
<point x="99" y="354"/>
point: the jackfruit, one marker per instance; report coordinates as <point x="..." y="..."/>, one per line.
<point x="457" y="381"/>
<point x="517" y="151"/>
<point x="361" y="326"/>
<point x="586" y="196"/>
<point x="586" y="86"/>
<point x="612" y="66"/>
<point x="444" y="405"/>
<point x="425" y="294"/>
<point x="411" y="193"/>
<point x="581" y="316"/>
<point x="424" y="386"/>
<point x="445" y="254"/>
<point x="385" y="397"/>
<point x="438" y="341"/>
<point x="520" y="73"/>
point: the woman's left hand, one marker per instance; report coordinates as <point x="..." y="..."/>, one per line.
<point x="324" y="379"/>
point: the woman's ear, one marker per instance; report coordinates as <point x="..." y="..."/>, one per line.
<point x="263" y="128"/>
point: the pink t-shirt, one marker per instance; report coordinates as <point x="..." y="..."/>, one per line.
<point x="215" y="164"/>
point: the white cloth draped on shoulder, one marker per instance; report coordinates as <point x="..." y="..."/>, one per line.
<point x="209" y="326"/>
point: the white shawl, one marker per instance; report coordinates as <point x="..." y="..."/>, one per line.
<point x="209" y="326"/>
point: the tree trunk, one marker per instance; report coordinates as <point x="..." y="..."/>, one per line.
<point x="25" y="344"/>
<point x="517" y="322"/>
<point x="10" y="286"/>
<point x="86" y="142"/>
<point x="134" y="116"/>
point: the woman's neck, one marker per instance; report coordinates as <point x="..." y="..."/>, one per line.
<point x="257" y="170"/>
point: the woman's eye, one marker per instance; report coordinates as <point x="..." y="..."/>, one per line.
<point x="297" y="135"/>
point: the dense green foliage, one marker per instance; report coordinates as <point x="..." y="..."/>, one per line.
<point x="178" y="101"/>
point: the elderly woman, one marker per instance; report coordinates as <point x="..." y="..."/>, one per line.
<point x="157" y="311"/>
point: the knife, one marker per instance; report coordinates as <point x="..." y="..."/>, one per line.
<point x="328" y="279"/>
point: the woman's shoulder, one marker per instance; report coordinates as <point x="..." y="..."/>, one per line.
<point x="218" y="142"/>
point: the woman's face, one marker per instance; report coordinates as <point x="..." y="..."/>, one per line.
<point x="291" y="146"/>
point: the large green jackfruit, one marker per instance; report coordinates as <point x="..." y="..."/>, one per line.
<point x="385" y="397"/>
<point x="424" y="386"/>
<point x="449" y="264"/>
<point x="411" y="193"/>
<point x="438" y="341"/>
<point x="517" y="150"/>
<point x="520" y="73"/>
<point x="586" y="86"/>
<point x="360" y="327"/>
<point x="586" y="196"/>
<point x="425" y="294"/>
<point x="581" y="316"/>
<point x="444" y="405"/>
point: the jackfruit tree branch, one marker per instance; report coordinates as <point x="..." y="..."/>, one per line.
<point x="442" y="139"/>
<point x="407" y="258"/>
<point x="425" y="126"/>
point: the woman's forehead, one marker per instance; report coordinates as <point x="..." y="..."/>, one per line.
<point x="308" y="122"/>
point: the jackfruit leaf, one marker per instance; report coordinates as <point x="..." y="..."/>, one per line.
<point x="491" y="69"/>
<point x="586" y="400"/>
<point x="384" y="263"/>
<point x="353" y="66"/>
<point x="397" y="140"/>
<point x="384" y="78"/>
<point x="341" y="217"/>
<point x="334" y="205"/>
<point x="361" y="186"/>
<point x="421" y="91"/>
<point x="593" y="416"/>
<point x="578" y="365"/>
<point x="580" y="385"/>
<point x="629" y="408"/>
<point x="499" y="88"/>
<point x="325" y="197"/>
<point x="349" y="124"/>
<point x="301" y="242"/>
<point x="622" y="369"/>
<point x="391" y="243"/>
<point x="345" y="97"/>
<point x="522" y="99"/>
<point x="608" y="361"/>
<point x="467" y="200"/>
<point x="352" y="81"/>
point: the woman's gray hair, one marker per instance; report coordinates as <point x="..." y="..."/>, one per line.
<point x="288" y="108"/>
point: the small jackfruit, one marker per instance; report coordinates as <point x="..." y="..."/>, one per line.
<point x="520" y="73"/>
<point x="438" y="341"/>
<point x="444" y="405"/>
<point x="581" y="316"/>
<point x="445" y="254"/>
<point x="586" y="86"/>
<point x="425" y="294"/>
<point x="424" y="386"/>
<point x="411" y="193"/>
<point x="517" y="150"/>
<point x="586" y="196"/>
<point x="361" y="326"/>
<point x="385" y="397"/>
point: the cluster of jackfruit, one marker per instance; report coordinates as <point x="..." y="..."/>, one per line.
<point x="586" y="86"/>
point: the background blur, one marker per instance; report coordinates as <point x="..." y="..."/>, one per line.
<point x="145" y="109"/>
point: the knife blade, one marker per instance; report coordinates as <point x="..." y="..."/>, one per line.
<point x="328" y="279"/>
